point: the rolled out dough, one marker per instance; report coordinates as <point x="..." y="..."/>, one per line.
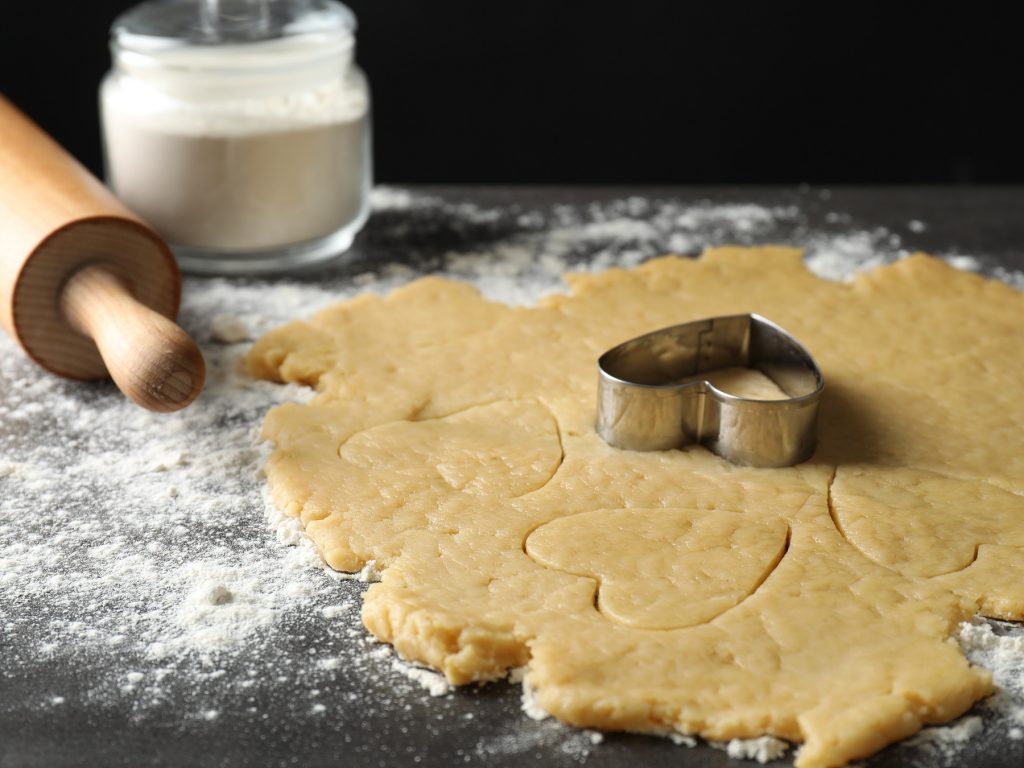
<point x="452" y="442"/>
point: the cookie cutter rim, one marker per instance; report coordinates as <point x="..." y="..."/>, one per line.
<point x="651" y="395"/>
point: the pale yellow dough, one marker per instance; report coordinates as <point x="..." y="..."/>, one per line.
<point x="452" y="442"/>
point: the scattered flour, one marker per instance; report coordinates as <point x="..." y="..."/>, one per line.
<point x="529" y="704"/>
<point x="840" y="257"/>
<point x="228" y="329"/>
<point x="221" y="610"/>
<point x="1012" y="277"/>
<point x="431" y="681"/>
<point x="682" y="740"/>
<point x="947" y="736"/>
<point x="763" y="749"/>
<point x="134" y="548"/>
<point x="334" y="611"/>
<point x="999" y="647"/>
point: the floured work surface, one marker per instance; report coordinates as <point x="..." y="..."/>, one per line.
<point x="452" y="442"/>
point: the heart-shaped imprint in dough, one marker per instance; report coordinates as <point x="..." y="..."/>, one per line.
<point x="503" y="449"/>
<point x="663" y="568"/>
<point x="916" y="523"/>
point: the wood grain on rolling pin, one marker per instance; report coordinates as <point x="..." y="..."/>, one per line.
<point x="56" y="219"/>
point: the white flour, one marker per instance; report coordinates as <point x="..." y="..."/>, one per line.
<point x="432" y="682"/>
<point x="213" y="205"/>
<point x="135" y="550"/>
<point x="763" y="750"/>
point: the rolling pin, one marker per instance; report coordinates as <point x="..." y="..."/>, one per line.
<point x="86" y="288"/>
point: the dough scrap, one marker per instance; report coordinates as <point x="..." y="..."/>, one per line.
<point x="452" y="441"/>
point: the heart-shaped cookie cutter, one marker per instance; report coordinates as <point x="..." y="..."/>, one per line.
<point x="651" y="396"/>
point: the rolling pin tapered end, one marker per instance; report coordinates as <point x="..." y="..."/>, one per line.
<point x="152" y="360"/>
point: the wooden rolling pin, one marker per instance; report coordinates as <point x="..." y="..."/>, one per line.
<point x="86" y="287"/>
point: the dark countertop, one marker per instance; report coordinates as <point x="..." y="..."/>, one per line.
<point x="82" y="682"/>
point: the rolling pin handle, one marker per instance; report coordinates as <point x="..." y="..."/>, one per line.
<point x="153" y="361"/>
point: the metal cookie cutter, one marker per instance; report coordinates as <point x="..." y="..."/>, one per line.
<point x="651" y="397"/>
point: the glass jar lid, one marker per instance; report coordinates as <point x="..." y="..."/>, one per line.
<point x="210" y="50"/>
<point x="161" y="23"/>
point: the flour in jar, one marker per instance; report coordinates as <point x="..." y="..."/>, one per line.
<point x="239" y="147"/>
<point x="241" y="192"/>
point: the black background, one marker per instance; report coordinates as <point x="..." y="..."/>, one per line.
<point x="633" y="92"/>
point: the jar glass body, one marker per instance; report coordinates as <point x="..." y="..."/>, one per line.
<point x="247" y="157"/>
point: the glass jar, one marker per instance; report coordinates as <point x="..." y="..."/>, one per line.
<point x="240" y="130"/>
